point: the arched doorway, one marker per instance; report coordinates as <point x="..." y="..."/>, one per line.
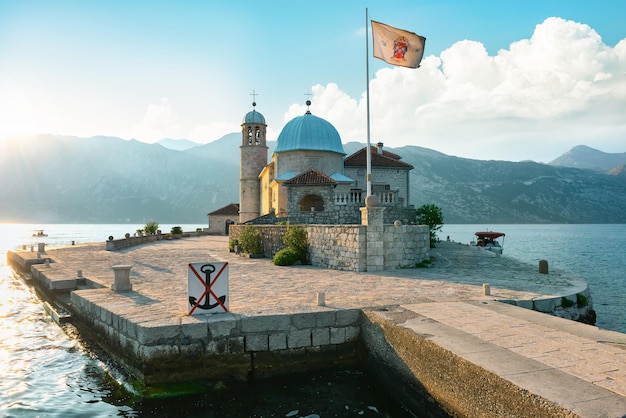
<point x="312" y="203"/>
<point x="227" y="225"/>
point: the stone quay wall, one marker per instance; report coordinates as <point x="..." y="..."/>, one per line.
<point x="119" y="244"/>
<point x="345" y="247"/>
<point x="134" y="240"/>
<point x="222" y="346"/>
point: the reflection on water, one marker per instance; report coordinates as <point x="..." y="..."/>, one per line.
<point x="42" y="371"/>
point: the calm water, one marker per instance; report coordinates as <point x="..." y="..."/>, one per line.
<point x="597" y="253"/>
<point x="46" y="371"/>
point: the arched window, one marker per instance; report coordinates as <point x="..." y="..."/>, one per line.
<point x="257" y="137"/>
<point x="312" y="203"/>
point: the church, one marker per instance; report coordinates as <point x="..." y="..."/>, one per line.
<point x="310" y="179"/>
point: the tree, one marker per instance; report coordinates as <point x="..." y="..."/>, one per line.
<point x="430" y="215"/>
<point x="151" y="227"/>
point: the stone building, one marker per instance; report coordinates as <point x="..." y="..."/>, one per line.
<point x="310" y="180"/>
<point x="221" y="219"/>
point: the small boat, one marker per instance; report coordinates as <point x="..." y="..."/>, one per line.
<point x="489" y="241"/>
<point x="39" y="233"/>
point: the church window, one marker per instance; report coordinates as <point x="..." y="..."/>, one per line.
<point x="312" y="203"/>
<point x="257" y="136"/>
<point x="249" y="136"/>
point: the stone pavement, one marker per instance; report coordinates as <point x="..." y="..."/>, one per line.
<point x="449" y="294"/>
<point x="257" y="287"/>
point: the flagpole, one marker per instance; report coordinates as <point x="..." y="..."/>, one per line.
<point x="367" y="95"/>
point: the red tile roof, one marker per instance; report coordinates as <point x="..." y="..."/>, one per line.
<point x="311" y="176"/>
<point x="230" y="209"/>
<point x="386" y="159"/>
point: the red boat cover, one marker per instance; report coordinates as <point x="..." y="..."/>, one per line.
<point x="489" y="234"/>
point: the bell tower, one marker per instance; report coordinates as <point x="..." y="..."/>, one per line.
<point x="253" y="158"/>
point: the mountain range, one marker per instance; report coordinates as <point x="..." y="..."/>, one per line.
<point x="63" y="179"/>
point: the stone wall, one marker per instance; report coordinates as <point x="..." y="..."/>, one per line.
<point x="221" y="346"/>
<point x="132" y="241"/>
<point x="118" y="244"/>
<point x="217" y="223"/>
<point x="337" y="247"/>
<point x="345" y="213"/>
<point x="352" y="247"/>
<point x="405" y="245"/>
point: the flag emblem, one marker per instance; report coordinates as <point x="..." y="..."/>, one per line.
<point x="397" y="46"/>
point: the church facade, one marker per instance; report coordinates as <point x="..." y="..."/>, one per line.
<point x="310" y="180"/>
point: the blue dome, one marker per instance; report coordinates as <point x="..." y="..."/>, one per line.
<point x="309" y="132"/>
<point x="253" y="117"/>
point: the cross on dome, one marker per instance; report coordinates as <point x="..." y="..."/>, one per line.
<point x="254" y="94"/>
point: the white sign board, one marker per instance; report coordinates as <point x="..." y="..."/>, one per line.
<point x="207" y="288"/>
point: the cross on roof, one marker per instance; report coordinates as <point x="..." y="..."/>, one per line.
<point x="254" y="94"/>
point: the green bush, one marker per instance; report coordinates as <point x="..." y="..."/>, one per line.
<point x="566" y="303"/>
<point x="296" y="240"/>
<point x="581" y="300"/>
<point x="432" y="216"/>
<point x="177" y="230"/>
<point x="423" y="264"/>
<point x="285" y="257"/>
<point x="250" y="240"/>
<point x="151" y="227"/>
<point x="232" y="243"/>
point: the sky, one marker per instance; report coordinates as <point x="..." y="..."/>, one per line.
<point x="499" y="80"/>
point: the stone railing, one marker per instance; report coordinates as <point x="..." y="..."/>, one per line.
<point x="389" y="197"/>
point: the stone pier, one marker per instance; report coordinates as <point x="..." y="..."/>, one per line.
<point x="429" y="333"/>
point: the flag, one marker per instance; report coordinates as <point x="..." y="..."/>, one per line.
<point x="397" y="46"/>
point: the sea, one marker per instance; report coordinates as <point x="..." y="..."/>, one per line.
<point x="46" y="370"/>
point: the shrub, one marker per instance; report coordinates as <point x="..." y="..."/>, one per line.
<point x="296" y="240"/>
<point x="232" y="243"/>
<point x="581" y="300"/>
<point x="151" y="227"/>
<point x="250" y="240"/>
<point x="423" y="264"/>
<point x="566" y="303"/>
<point x="285" y="257"/>
<point x="432" y="216"/>
<point x="177" y="230"/>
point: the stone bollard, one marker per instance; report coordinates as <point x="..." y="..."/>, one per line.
<point x="79" y="273"/>
<point x="543" y="266"/>
<point x="122" y="279"/>
<point x="48" y="262"/>
<point x="41" y="247"/>
<point x="486" y="289"/>
<point x="321" y="299"/>
<point x="24" y="247"/>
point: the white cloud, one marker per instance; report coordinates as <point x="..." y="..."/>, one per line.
<point x="539" y="98"/>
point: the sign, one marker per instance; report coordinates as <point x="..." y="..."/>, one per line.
<point x="207" y="288"/>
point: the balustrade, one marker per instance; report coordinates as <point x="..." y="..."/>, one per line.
<point x="389" y="197"/>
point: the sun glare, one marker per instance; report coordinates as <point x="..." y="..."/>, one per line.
<point x="11" y="236"/>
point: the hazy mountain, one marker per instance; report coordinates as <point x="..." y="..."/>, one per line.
<point x="60" y="179"/>
<point x="474" y="191"/>
<point x="177" y="144"/>
<point x="583" y="156"/>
